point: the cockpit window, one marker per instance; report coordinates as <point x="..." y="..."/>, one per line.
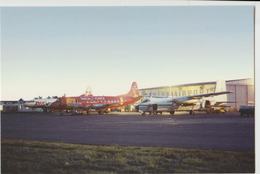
<point x="145" y="100"/>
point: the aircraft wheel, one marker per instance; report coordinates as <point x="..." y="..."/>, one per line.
<point x="172" y="112"/>
<point x="191" y="112"/>
<point x="155" y="107"/>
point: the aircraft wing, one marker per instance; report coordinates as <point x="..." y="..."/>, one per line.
<point x="207" y="95"/>
<point x="104" y="106"/>
<point x="189" y="100"/>
<point x="77" y="106"/>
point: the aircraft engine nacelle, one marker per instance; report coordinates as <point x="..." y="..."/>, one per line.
<point x="175" y="105"/>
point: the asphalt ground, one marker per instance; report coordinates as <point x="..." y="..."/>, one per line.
<point x="226" y="131"/>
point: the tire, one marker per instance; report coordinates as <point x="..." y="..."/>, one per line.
<point x="100" y="112"/>
<point x="172" y="112"/>
<point x="155" y="107"/>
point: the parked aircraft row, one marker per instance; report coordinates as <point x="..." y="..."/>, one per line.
<point x="102" y="104"/>
<point x="86" y="103"/>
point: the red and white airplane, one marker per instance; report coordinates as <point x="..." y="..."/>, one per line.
<point x="101" y="104"/>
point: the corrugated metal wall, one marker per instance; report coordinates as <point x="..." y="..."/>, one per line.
<point x="242" y="92"/>
<point x="251" y="94"/>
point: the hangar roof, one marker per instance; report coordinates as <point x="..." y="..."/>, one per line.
<point x="187" y="84"/>
<point x="246" y="81"/>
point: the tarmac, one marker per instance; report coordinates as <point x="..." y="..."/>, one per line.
<point x="227" y="131"/>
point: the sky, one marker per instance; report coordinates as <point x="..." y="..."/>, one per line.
<point x="51" y="51"/>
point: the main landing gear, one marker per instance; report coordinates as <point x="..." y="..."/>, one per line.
<point x="191" y="112"/>
<point x="172" y="112"/>
<point x="101" y="112"/>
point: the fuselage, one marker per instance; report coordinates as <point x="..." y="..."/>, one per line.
<point x="95" y="102"/>
<point x="39" y="103"/>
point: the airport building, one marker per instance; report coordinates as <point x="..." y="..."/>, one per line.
<point x="9" y="106"/>
<point x="16" y="106"/>
<point x="242" y="91"/>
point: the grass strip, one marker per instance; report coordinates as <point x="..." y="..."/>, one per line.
<point x="30" y="157"/>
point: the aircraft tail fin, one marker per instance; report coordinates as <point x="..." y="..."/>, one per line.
<point x="221" y="87"/>
<point x="134" y="92"/>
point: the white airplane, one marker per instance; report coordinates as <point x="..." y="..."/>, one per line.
<point x="40" y="102"/>
<point x="155" y="105"/>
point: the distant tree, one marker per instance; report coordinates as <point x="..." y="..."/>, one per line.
<point x="127" y="108"/>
